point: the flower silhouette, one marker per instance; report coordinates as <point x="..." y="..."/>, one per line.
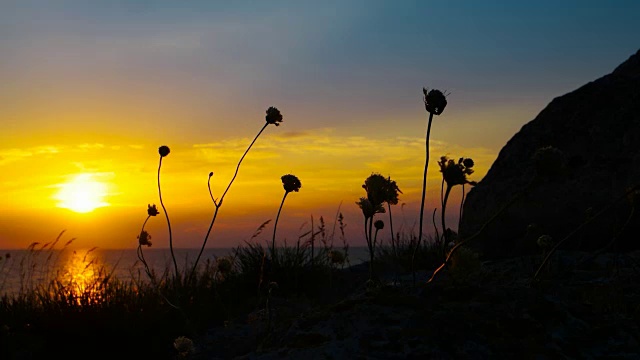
<point x="273" y="116"/>
<point x="368" y="209"/>
<point x="379" y="224"/>
<point x="453" y="173"/>
<point x="144" y="239"/>
<point x="152" y="210"/>
<point x="291" y="183"/>
<point x="434" y="101"/>
<point x="164" y="150"/>
<point x="456" y="173"/>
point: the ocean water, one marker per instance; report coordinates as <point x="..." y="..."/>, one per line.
<point x="22" y="270"/>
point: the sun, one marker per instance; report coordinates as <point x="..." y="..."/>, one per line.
<point x="82" y="194"/>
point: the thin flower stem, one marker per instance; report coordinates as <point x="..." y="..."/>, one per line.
<point x="211" y="194"/>
<point x="517" y="196"/>
<point x="219" y="204"/>
<point x="393" y="247"/>
<point x="140" y="253"/>
<point x="275" y="227"/>
<point x="445" y="235"/>
<point x="585" y="223"/>
<point x="173" y="256"/>
<point x="461" y="207"/>
<point x="442" y="192"/>
<point x="371" y="248"/>
<point x="424" y="190"/>
<point x="435" y="227"/>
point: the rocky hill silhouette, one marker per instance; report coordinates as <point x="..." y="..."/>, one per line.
<point x="597" y="129"/>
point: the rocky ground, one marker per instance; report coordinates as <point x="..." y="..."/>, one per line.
<point x="577" y="310"/>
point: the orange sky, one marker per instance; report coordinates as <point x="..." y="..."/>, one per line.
<point x="332" y="167"/>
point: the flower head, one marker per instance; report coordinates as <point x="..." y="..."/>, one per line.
<point x="434" y="101"/>
<point x="183" y="345"/>
<point x="152" y="210"/>
<point x="379" y="224"/>
<point x="369" y="209"/>
<point x="144" y="239"/>
<point x="273" y="116"/>
<point x="456" y="173"/>
<point x="375" y="186"/>
<point x="545" y="241"/>
<point x="336" y="257"/>
<point x="291" y="183"/>
<point x="163" y="150"/>
<point x="380" y="189"/>
<point x="224" y="264"/>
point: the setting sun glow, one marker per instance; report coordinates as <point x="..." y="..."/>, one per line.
<point x="82" y="194"/>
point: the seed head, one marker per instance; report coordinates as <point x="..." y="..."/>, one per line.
<point x="434" y="101"/>
<point x="456" y="173"/>
<point x="273" y="116"/>
<point x="163" y="150"/>
<point x="183" y="345"/>
<point x="379" y="224"/>
<point x="545" y="241"/>
<point x="369" y="209"/>
<point x="144" y="239"/>
<point x="291" y="183"/>
<point x="152" y="210"/>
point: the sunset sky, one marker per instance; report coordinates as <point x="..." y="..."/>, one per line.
<point x="90" y="89"/>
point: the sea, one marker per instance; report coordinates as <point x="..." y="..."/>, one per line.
<point x="25" y="270"/>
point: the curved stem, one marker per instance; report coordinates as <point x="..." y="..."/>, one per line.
<point x="371" y="248"/>
<point x="461" y="206"/>
<point x="424" y="190"/>
<point x="393" y="247"/>
<point x="211" y="194"/>
<point x="433" y="219"/>
<point x="483" y="228"/>
<point x="445" y="234"/>
<point x="219" y="204"/>
<point x="240" y="162"/>
<point x="140" y="253"/>
<point x="571" y="234"/>
<point x="442" y="192"/>
<point x="173" y="256"/>
<point x="275" y="227"/>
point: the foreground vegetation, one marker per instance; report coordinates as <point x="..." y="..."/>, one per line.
<point x="157" y="316"/>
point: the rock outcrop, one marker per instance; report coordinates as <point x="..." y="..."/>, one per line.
<point x="597" y="128"/>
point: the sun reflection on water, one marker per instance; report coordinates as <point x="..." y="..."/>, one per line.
<point x="82" y="277"/>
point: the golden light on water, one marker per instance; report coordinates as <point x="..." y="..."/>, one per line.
<point x="81" y="277"/>
<point x="82" y="194"/>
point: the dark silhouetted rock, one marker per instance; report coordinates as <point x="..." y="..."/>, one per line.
<point x="597" y="128"/>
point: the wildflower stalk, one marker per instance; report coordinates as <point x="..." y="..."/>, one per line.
<point x="445" y="234"/>
<point x="139" y="251"/>
<point x="424" y="191"/>
<point x="275" y="227"/>
<point x="290" y="183"/>
<point x="585" y="223"/>
<point x="393" y="242"/>
<point x="219" y="203"/>
<point x="173" y="256"/>
<point x="459" y="244"/>
<point x="461" y="207"/>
